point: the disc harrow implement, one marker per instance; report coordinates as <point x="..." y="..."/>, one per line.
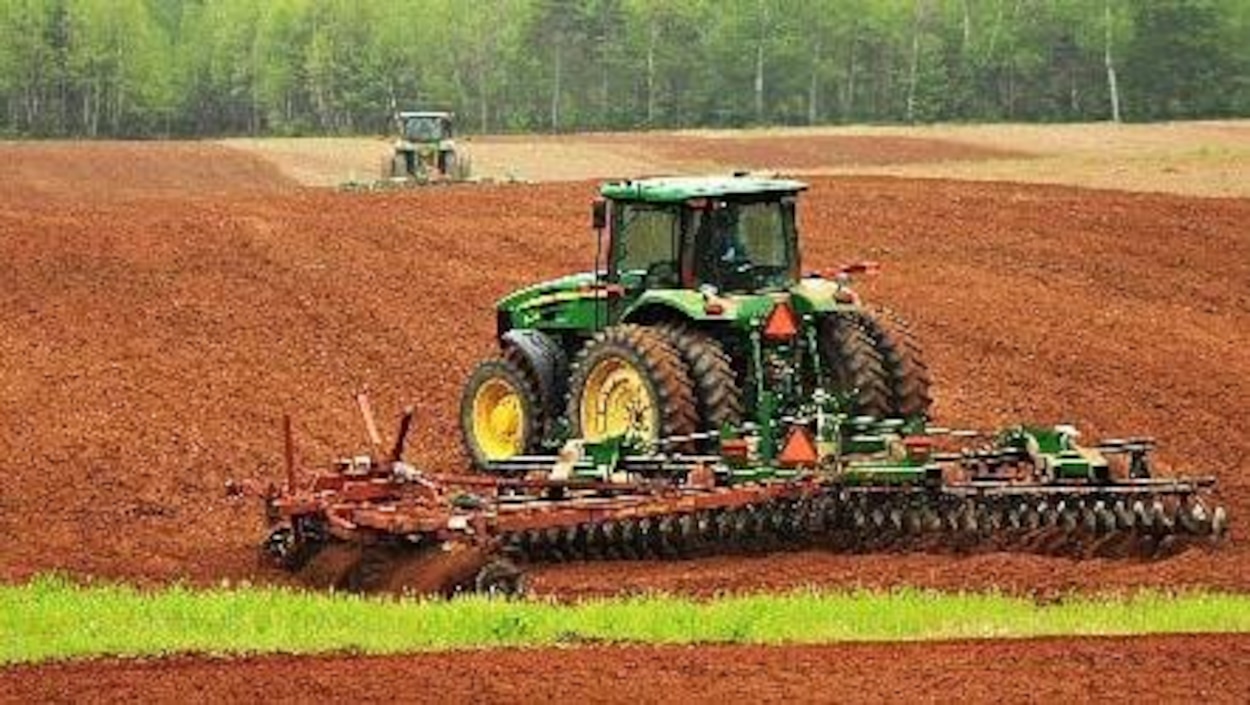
<point x="374" y="521"/>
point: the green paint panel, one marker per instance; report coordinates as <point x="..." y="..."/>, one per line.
<point x="869" y="472"/>
<point x="525" y="296"/>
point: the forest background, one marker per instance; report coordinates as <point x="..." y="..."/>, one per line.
<point x="156" y="68"/>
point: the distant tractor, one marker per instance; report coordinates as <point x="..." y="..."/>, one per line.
<point x="701" y="322"/>
<point x="426" y="149"/>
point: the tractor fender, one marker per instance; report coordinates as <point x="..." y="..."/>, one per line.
<point x="654" y="306"/>
<point x="546" y="359"/>
<point x="821" y="296"/>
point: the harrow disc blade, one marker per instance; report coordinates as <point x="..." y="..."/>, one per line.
<point x="1125" y="518"/>
<point x="1219" y="523"/>
<point x="1106" y="519"/>
<point x="913" y="522"/>
<point x="1145" y="516"/>
<point x="1089" y="521"/>
<point x="629" y="539"/>
<point x="1162" y="522"/>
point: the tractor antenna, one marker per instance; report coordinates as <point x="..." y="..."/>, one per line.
<point x="600" y="222"/>
<point x="598" y="255"/>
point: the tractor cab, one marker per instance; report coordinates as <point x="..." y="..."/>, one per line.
<point x="426" y="148"/>
<point x="727" y="235"/>
<point x="425" y="127"/>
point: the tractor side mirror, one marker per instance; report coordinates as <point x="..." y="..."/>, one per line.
<point x="599" y="214"/>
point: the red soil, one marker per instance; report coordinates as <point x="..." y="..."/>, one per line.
<point x="1208" y="669"/>
<point x="89" y="171"/>
<point x="153" y="331"/>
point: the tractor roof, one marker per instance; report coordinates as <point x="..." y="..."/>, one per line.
<point x="673" y="189"/>
<point x="423" y="113"/>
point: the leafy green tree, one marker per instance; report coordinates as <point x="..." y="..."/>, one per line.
<point x="115" y="62"/>
<point x="30" y="55"/>
<point x="151" y="67"/>
<point x="1181" y="63"/>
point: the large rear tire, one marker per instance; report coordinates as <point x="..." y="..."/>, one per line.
<point x="399" y="166"/>
<point x="855" y="365"/>
<point x="717" y="393"/>
<point x="462" y="169"/>
<point x="500" y="412"/>
<point x="900" y="351"/>
<point x="630" y="381"/>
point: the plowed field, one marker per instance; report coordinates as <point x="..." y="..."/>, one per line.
<point x="154" y="327"/>
<point x="1211" y="669"/>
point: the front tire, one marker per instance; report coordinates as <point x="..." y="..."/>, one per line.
<point x="500" y="413"/>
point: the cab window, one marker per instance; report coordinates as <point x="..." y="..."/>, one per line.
<point x="763" y="233"/>
<point x="744" y="245"/>
<point x="425" y="129"/>
<point x="646" y="240"/>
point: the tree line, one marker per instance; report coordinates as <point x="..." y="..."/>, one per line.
<point x="139" y="68"/>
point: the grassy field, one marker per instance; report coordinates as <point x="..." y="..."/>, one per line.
<point x="51" y="618"/>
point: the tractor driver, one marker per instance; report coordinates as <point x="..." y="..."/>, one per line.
<point x="721" y="257"/>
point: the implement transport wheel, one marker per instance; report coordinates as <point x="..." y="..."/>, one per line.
<point x="500" y="412"/>
<point x="500" y="578"/>
<point x="903" y="358"/>
<point x="630" y="381"/>
<point x="855" y="365"/>
<point x="718" y="396"/>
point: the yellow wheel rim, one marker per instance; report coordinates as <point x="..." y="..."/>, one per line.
<point x="617" y="402"/>
<point x="498" y="420"/>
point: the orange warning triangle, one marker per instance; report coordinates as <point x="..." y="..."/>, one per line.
<point x="782" y="323"/>
<point x="799" y="449"/>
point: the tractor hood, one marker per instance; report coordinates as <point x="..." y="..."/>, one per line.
<point x="542" y="293"/>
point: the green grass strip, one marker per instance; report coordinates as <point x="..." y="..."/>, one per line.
<point x="52" y="618"/>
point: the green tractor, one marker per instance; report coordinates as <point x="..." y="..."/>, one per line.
<point x="426" y="149"/>
<point x="699" y="327"/>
